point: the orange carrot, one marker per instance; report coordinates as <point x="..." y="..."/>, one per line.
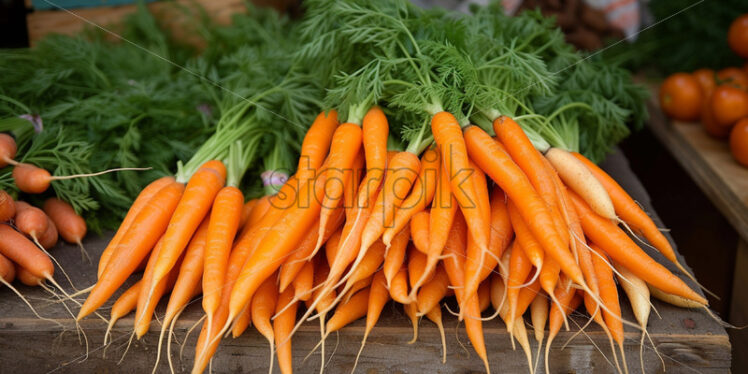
<point x="194" y="205"/>
<point x="529" y="245"/>
<point x="399" y="287"/>
<point x="486" y="153"/>
<point x="71" y="226"/>
<point x="608" y="295"/>
<point x="420" y="195"/>
<point x="140" y="202"/>
<point x="378" y="297"/>
<point x="417" y="269"/>
<point x="448" y="135"/>
<point x="35" y="180"/>
<point x="348" y="312"/>
<point x="501" y="231"/>
<point x="124" y="304"/>
<point x="49" y="238"/>
<point x="476" y="257"/>
<point x="402" y="172"/>
<point x="454" y="264"/>
<point x="282" y="326"/>
<point x="419" y="231"/>
<point x="395" y="254"/>
<point x="247" y="211"/>
<point x="519" y="269"/>
<point x="262" y="309"/>
<point x="345" y="146"/>
<point x="616" y="244"/>
<point x="484" y="298"/>
<point x="433" y="291"/>
<point x="135" y="245"/>
<point x="23" y="252"/>
<point x="375" y="132"/>
<point x="7" y="206"/>
<point x="30" y="220"/>
<point x="7" y="269"/>
<point x="224" y="222"/>
<point x="519" y="147"/>
<point x="146" y="306"/>
<point x="7" y="150"/>
<point x="304" y="282"/>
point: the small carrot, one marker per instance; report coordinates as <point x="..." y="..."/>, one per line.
<point x="140" y="202"/>
<point x="539" y="315"/>
<point x="223" y="224"/>
<point x="501" y="231"/>
<point x="146" y="306"/>
<point x="8" y="150"/>
<point x="348" y="312"/>
<point x="519" y="269"/>
<point x="402" y="172"/>
<point x="49" y="238"/>
<point x="395" y="255"/>
<point x="484" y="298"/>
<point x="529" y="245"/>
<point x="580" y="180"/>
<point x="35" y="180"/>
<point x="420" y="195"/>
<point x="412" y="313"/>
<point x="569" y="300"/>
<point x="304" y="281"/>
<point x="476" y="257"/>
<point x="399" y="286"/>
<point x="435" y="316"/>
<point x="247" y="211"/>
<point x="124" y="304"/>
<point x="187" y="283"/>
<point x="616" y="244"/>
<point x="262" y="309"/>
<point x="194" y="205"/>
<point x="27" y="278"/>
<point x="608" y="295"/>
<point x="454" y="264"/>
<point x="282" y="327"/>
<point x="375" y="132"/>
<point x="419" y="231"/>
<point x="71" y="226"/>
<point x="378" y="297"/>
<point x="7" y="269"/>
<point x="135" y="245"/>
<point x="345" y="146"/>
<point x="369" y="265"/>
<point x="448" y="135"/>
<point x="30" y="220"/>
<point x="433" y="291"/>
<point x="441" y="218"/>
<point x="20" y="250"/>
<point x="7" y="206"/>
<point x="316" y="143"/>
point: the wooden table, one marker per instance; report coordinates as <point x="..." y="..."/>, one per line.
<point x="709" y="163"/>
<point x="685" y="338"/>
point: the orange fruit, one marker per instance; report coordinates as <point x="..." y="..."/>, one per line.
<point x="737" y="36"/>
<point x="733" y="76"/>
<point x="680" y="97"/>
<point x="706" y="79"/>
<point x="708" y="122"/>
<point x="739" y="141"/>
<point x="729" y="104"/>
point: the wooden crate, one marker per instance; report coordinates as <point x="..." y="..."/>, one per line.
<point x="686" y="338"/>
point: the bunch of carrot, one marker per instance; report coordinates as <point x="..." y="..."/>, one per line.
<point x="546" y="228"/>
<point x="504" y="212"/>
<point x="27" y="233"/>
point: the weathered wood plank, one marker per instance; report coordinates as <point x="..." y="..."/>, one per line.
<point x="686" y="338"/>
<point x="709" y="163"/>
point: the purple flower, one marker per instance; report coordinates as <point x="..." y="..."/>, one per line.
<point x="36" y="121"/>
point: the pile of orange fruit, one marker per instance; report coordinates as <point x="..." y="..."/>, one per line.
<point x="718" y="99"/>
